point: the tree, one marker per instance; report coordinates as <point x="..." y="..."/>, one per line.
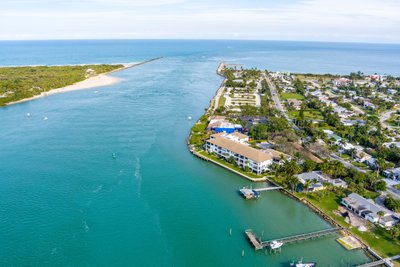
<point x="292" y="182"/>
<point x="231" y="160"/>
<point x="392" y="204"/>
<point x="380" y="164"/>
<point x="395" y="232"/>
<point x="380" y="215"/>
<point x="309" y="165"/>
<point x="380" y="185"/>
<point x="307" y="185"/>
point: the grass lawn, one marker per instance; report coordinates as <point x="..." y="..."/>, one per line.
<point x="309" y="114"/>
<point x="285" y="96"/>
<point x="379" y="240"/>
<point x="344" y="156"/>
<point x="221" y="101"/>
<point x="249" y="174"/>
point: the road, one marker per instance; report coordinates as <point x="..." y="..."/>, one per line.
<point x="280" y="107"/>
<point x="385" y="116"/>
<point x="278" y="104"/>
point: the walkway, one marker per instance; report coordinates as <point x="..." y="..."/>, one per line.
<point x="258" y="244"/>
<point x="303" y="237"/>
<point x="386" y="262"/>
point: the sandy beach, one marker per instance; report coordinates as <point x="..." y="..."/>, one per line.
<point x="103" y="79"/>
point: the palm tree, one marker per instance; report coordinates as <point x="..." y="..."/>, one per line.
<point x="380" y="214"/>
<point x="307" y="185"/>
<point x="380" y="164"/>
<point x="292" y="182"/>
<point x="342" y="143"/>
<point x="352" y="152"/>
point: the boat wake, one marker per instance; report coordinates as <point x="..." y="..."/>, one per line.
<point x="98" y="189"/>
<point x="138" y="176"/>
<point x="86" y="226"/>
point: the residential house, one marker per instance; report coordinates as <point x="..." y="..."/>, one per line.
<point x="219" y="124"/>
<point x="393" y="174"/>
<point x="338" y="183"/>
<point x="361" y="156"/>
<point x="368" y="210"/>
<point x="295" y="103"/>
<point x="369" y="105"/>
<point x="315" y="178"/>
<point x="341" y="81"/>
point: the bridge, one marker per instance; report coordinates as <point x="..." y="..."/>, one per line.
<point x="258" y="244"/>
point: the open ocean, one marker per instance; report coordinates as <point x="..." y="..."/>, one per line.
<point x="64" y="201"/>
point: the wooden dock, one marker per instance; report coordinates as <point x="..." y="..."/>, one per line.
<point x="258" y="244"/>
<point x="303" y="237"/>
<point x="267" y="188"/>
<point x="253" y="239"/>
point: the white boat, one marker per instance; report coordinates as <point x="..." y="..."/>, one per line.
<point x="275" y="244"/>
<point x="45" y="118"/>
<point x="300" y="263"/>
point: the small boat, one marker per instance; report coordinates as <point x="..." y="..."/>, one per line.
<point x="114" y="156"/>
<point x="45" y="118"/>
<point x="275" y="244"/>
<point x="300" y="263"/>
<point x="28" y="114"/>
<point x="249" y="193"/>
<point x="189" y="118"/>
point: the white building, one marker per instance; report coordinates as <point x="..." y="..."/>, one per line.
<point x="393" y="174"/>
<point x="367" y="209"/>
<point x="243" y="155"/>
<point x="361" y="156"/>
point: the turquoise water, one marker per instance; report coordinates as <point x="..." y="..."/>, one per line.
<point x="64" y="201"/>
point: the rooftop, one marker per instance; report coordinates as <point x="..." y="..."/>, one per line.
<point x="238" y="148"/>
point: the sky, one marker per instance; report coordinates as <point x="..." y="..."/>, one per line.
<point x="372" y="21"/>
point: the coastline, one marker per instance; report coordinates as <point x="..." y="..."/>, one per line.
<point x="100" y="80"/>
<point x="370" y="253"/>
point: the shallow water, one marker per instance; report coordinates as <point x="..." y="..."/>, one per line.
<point x="64" y="201"/>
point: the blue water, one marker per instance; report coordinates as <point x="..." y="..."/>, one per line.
<point x="65" y="202"/>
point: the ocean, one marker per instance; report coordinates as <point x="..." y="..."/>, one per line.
<point x="64" y="200"/>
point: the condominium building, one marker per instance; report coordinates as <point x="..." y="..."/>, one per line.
<point x="243" y="155"/>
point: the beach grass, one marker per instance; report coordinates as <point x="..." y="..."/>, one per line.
<point x="17" y="83"/>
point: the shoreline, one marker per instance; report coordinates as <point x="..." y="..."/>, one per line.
<point x="100" y="80"/>
<point x="319" y="212"/>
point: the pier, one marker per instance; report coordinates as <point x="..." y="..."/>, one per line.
<point x="386" y="262"/>
<point x="256" y="242"/>
<point x="269" y="188"/>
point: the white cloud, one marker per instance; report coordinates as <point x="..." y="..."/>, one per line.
<point x="329" y="20"/>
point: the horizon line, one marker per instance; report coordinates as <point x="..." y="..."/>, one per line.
<point x="196" y="39"/>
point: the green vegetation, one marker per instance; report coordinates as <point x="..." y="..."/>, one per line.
<point x="378" y="239"/>
<point x="17" y="83"/>
<point x="292" y="96"/>
<point x="308" y="114"/>
<point x="230" y="165"/>
<point x="199" y="133"/>
<point x="392" y="204"/>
